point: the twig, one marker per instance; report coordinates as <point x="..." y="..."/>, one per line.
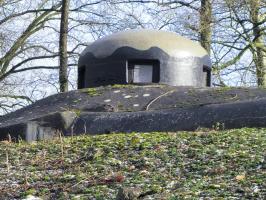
<point x="149" y="104"/>
<point x="7" y="161"/>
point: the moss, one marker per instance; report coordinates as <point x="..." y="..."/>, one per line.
<point x="223" y="89"/>
<point x="192" y="92"/>
<point x="92" y="92"/>
<point x="120" y="106"/>
<point x="119" y="86"/>
<point x="76" y="111"/>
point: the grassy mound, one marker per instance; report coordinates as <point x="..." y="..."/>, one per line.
<point x="184" y="165"/>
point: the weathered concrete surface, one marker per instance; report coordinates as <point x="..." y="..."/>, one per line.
<point x="137" y="108"/>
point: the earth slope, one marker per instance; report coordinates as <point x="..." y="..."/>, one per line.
<point x="205" y="164"/>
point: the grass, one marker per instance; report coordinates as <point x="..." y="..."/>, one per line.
<point x="207" y="164"/>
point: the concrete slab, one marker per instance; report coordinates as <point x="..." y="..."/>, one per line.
<point x="136" y="108"/>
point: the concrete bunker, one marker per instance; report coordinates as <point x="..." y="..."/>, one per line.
<point x="138" y="57"/>
<point x="144" y="57"/>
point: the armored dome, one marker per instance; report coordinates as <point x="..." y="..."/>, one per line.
<point x="144" y="56"/>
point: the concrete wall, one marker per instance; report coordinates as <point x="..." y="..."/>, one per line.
<point x="175" y="71"/>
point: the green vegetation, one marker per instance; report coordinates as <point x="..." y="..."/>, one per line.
<point x="224" y="89"/>
<point x="119" y="86"/>
<point x="91" y="92"/>
<point x="207" y="164"/>
<point x="77" y="112"/>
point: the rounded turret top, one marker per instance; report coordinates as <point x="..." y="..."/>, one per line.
<point x="144" y="56"/>
<point x="171" y="43"/>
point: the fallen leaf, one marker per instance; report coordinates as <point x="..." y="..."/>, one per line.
<point x="240" y="177"/>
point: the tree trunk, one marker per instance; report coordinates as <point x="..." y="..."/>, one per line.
<point x="259" y="55"/>
<point x="205" y="24"/>
<point x="63" y="77"/>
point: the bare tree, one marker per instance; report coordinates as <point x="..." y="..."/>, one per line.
<point x="17" y="50"/>
<point x="238" y="41"/>
<point x="205" y="24"/>
<point x="259" y="44"/>
<point x="63" y="76"/>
